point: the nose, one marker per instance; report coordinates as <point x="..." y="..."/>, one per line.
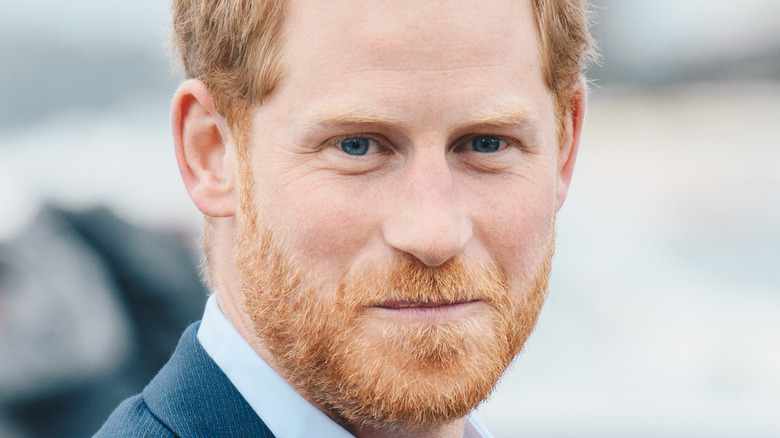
<point x="426" y="219"/>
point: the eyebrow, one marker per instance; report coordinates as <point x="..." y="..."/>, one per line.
<point x="505" y="116"/>
<point x="502" y="116"/>
<point x="352" y="115"/>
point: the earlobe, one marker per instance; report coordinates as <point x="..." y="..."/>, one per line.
<point x="204" y="150"/>
<point x="570" y="142"/>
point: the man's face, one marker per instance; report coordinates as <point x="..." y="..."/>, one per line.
<point x="399" y="198"/>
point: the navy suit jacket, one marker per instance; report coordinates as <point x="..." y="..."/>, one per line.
<point x="189" y="397"/>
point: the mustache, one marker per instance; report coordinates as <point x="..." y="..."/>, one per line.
<point x="406" y="279"/>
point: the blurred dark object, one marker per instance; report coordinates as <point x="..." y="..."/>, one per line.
<point x="90" y="308"/>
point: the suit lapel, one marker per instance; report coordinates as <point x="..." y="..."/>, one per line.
<point x="193" y="398"/>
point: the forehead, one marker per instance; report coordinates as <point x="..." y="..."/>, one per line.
<point x="413" y="55"/>
<point x="423" y="31"/>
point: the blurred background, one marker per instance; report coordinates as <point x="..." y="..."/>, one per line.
<point x="664" y="313"/>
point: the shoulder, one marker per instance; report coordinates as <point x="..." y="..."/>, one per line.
<point x="133" y="419"/>
<point x="189" y="397"/>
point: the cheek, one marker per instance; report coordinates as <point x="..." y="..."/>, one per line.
<point x="515" y="227"/>
<point x="324" y="229"/>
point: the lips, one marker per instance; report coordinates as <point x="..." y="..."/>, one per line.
<point x="405" y="304"/>
<point x="414" y="311"/>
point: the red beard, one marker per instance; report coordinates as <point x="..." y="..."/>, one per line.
<point x="371" y="371"/>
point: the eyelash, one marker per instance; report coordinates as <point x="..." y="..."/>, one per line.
<point x="463" y="144"/>
<point x="383" y="143"/>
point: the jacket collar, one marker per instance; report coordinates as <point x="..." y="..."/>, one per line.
<point x="193" y="398"/>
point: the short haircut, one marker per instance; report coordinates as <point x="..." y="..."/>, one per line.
<point x="235" y="48"/>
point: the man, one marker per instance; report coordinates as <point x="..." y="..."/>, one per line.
<point x="380" y="182"/>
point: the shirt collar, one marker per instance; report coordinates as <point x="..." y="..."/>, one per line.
<point x="286" y="413"/>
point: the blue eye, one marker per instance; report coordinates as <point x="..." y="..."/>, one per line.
<point x="486" y="143"/>
<point x="355" y="146"/>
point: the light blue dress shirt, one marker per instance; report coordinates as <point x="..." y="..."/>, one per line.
<point x="282" y="409"/>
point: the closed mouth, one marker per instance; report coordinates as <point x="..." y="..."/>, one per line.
<point x="409" y="304"/>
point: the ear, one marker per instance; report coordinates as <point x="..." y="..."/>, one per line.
<point x="570" y="144"/>
<point x="204" y="150"/>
